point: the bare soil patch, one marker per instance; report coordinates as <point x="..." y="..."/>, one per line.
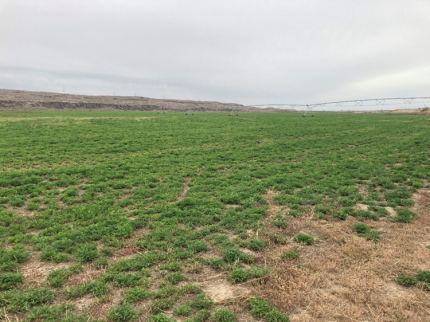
<point x="36" y="271"/>
<point x="219" y="290"/>
<point x="21" y="211"/>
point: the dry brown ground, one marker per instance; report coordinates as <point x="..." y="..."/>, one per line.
<point x="347" y="278"/>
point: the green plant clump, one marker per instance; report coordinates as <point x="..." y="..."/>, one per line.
<point x="304" y="239"/>
<point x="262" y="309"/>
<point x="294" y="254"/>
<point x="10" y="280"/>
<point x="232" y="255"/>
<point x="57" y="277"/>
<point x="224" y="315"/>
<point x="87" y="252"/>
<point x="160" y="318"/>
<point x="182" y="310"/>
<point x="407" y="281"/>
<point x="123" y="313"/>
<point x="364" y="231"/>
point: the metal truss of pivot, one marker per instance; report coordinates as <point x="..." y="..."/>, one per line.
<point x="189" y="111"/>
<point x="309" y="109"/>
<point x="161" y="110"/>
<point x="350" y="103"/>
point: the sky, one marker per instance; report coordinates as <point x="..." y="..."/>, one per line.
<point x="247" y="52"/>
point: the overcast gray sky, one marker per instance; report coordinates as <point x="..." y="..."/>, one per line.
<point x="248" y="51"/>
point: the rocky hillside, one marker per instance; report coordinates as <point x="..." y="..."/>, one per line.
<point x="43" y="101"/>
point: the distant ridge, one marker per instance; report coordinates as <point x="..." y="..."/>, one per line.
<point x="19" y="100"/>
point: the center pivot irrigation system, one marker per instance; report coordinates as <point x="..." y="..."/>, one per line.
<point x="375" y="102"/>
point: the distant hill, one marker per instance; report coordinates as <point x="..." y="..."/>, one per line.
<point x="44" y="101"/>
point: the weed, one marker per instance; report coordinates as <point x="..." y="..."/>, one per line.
<point x="21" y="301"/>
<point x="190" y="288"/>
<point x="254" y="244"/>
<point x="201" y="316"/>
<point x="60" y="257"/>
<point x="404" y="219"/>
<point x="62" y="312"/>
<point x="123" y="313"/>
<point x="340" y="215"/>
<point x="197" y="246"/>
<point x="165" y="292"/>
<point x="262" y="309"/>
<point x="259" y="272"/>
<point x="232" y="255"/>
<point x="278" y="239"/>
<point x="10" y="280"/>
<point x="365" y="214"/>
<point x="9" y="259"/>
<point x="406" y="280"/>
<point x="347" y="190"/>
<point x="291" y="255"/>
<point x="304" y="239"/>
<point x="224" y="315"/>
<point x="158" y="306"/>
<point x="371" y="235"/>
<point x="160" y="318"/>
<point x="194" y="265"/>
<point x="124" y="279"/>
<point x="134" y="294"/>
<point x="182" y="310"/>
<point x="201" y="302"/>
<point x="405" y="212"/>
<point x="57" y="277"/>
<point x="243" y="235"/>
<point x="175" y="278"/>
<point x="107" y="251"/>
<point x="238" y="275"/>
<point x="360" y="228"/>
<point x="280" y="223"/>
<point x="348" y="210"/>
<point x="275" y="316"/>
<point x="320" y="216"/>
<point x="423" y="276"/>
<point x="96" y="288"/>
<point x="294" y="213"/>
<point x="259" y="308"/>
<point x="322" y="209"/>
<point x="216" y="263"/>
<point x="100" y="263"/>
<point x="172" y="266"/>
<point x="87" y="252"/>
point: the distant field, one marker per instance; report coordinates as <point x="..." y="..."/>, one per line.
<point x="121" y="216"/>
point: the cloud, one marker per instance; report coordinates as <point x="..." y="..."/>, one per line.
<point x="248" y="52"/>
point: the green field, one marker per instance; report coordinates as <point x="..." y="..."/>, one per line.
<point x="154" y="204"/>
